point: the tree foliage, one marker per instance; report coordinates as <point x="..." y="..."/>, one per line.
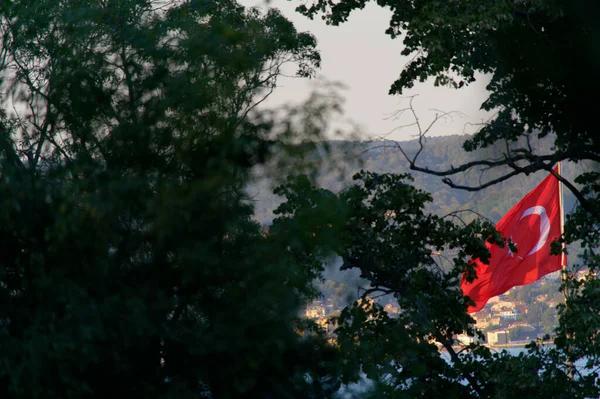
<point x="130" y="260"/>
<point x="534" y="52"/>
<point x="130" y="263"/>
<point x="396" y="246"/>
<point x="537" y="54"/>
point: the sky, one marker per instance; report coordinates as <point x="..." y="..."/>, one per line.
<point x="362" y="57"/>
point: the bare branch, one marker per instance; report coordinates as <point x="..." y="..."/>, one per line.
<point x="512" y="158"/>
<point x="456" y="214"/>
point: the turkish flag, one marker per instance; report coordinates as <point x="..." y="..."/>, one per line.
<point x="532" y="224"/>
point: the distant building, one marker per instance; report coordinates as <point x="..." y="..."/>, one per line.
<point x="482" y="315"/>
<point x="466" y="340"/>
<point x="502" y="306"/>
<point x="391" y="309"/>
<point x="482" y="318"/>
<point x="523" y="332"/>
<point x="494" y="300"/>
<point x="541" y="298"/>
<point x="520" y="307"/>
<point x="553" y="303"/>
<point x="315" y="311"/>
<point x="482" y="324"/>
<point x="583" y="274"/>
<point x="497" y="337"/>
<point x="508" y="314"/>
<point x="323" y="322"/>
<point x="365" y="302"/>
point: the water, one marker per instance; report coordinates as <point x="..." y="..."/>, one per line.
<point x="514" y="351"/>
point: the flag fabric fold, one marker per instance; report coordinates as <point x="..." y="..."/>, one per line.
<point x="532" y="224"/>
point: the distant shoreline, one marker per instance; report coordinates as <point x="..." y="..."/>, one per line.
<point x="516" y="344"/>
<point x="520" y="344"/>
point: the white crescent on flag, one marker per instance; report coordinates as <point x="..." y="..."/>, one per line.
<point x="544" y="226"/>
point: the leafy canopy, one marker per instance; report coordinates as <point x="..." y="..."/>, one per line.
<point x="129" y="261"/>
<point x="415" y="260"/>
<point x="540" y="56"/>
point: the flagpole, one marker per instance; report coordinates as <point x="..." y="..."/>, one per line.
<point x="564" y="264"/>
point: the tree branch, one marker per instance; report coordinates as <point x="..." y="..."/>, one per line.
<point x="512" y="158"/>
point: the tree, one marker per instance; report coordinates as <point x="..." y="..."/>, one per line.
<point x="526" y="47"/>
<point x="130" y="264"/>
<point x="537" y="54"/>
<point x="524" y="295"/>
<point x="386" y="235"/>
<point x="548" y="320"/>
<point x="515" y="333"/>
<point x="535" y="312"/>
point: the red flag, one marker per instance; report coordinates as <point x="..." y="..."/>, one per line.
<point x="532" y="224"/>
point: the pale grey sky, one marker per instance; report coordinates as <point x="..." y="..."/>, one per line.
<point x="360" y="55"/>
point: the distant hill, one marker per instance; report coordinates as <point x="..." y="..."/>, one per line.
<point x="344" y="158"/>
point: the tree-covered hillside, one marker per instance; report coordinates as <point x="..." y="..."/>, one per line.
<point x="344" y="158"/>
